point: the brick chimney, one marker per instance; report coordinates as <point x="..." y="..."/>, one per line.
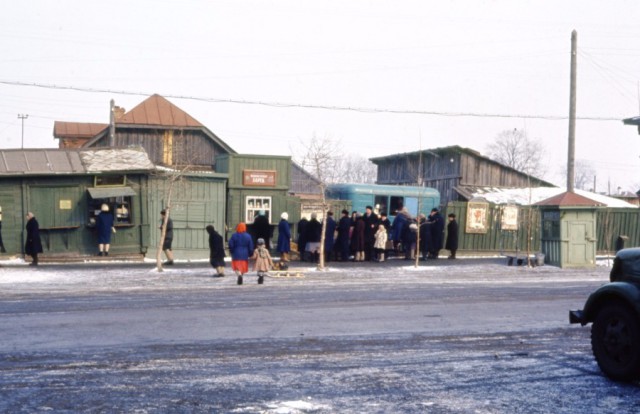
<point x="119" y="112"/>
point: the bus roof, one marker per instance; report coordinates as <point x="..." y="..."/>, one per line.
<point x="393" y="190"/>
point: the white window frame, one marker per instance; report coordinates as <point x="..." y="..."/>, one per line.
<point x="253" y="204"/>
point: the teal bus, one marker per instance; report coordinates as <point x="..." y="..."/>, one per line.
<point x="388" y="199"/>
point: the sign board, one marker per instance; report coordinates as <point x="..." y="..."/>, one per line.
<point x="259" y="178"/>
<point x="509" y="218"/>
<point x="477" y="219"/>
<point x="65" y="204"/>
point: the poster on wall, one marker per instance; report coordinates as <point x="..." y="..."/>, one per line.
<point x="509" y="218"/>
<point x="477" y="217"/>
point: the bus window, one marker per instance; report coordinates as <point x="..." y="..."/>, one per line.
<point x="380" y="204"/>
<point x="396" y="205"/>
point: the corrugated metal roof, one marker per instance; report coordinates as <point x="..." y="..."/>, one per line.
<point x="157" y="110"/>
<point x="529" y="196"/>
<point x="77" y="129"/>
<point x="72" y="161"/>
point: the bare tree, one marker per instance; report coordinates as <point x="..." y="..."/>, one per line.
<point x="584" y="175"/>
<point x="321" y="161"/>
<point x="352" y="168"/>
<point x="174" y="177"/>
<point x="515" y="149"/>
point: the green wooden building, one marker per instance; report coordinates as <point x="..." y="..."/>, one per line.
<point x="257" y="182"/>
<point x="65" y="189"/>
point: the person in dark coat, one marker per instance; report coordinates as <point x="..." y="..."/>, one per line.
<point x="425" y="236"/>
<point x="384" y="220"/>
<point x="313" y="233"/>
<point x="33" y="245"/>
<point x="284" y="240"/>
<point x="409" y="237"/>
<point x="398" y="227"/>
<point x="216" y="251"/>
<point x="2" y="249"/>
<point x="344" y="229"/>
<point x="261" y="229"/>
<point x="241" y="248"/>
<point x="357" y="239"/>
<point x="371" y="226"/>
<point x="452" y="236"/>
<point x="329" y="240"/>
<point x="436" y="230"/>
<point x="302" y="240"/>
<point x="104" y="227"/>
<point x="168" y="237"/>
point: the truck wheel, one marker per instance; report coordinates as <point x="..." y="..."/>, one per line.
<point x="615" y="341"/>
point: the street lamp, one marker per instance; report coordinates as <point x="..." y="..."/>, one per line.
<point x="22" y="117"/>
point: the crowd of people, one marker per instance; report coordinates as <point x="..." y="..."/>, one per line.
<point x="371" y="237"/>
<point x="355" y="237"/>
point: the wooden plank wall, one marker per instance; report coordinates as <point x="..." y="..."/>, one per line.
<point x="611" y="223"/>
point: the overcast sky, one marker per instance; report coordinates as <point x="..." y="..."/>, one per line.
<point x="442" y="72"/>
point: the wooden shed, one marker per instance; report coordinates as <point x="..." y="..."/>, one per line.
<point x="569" y="236"/>
<point x="449" y="170"/>
<point x="65" y="189"/>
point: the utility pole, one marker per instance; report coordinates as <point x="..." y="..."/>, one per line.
<point x="22" y="117"/>
<point x="112" y="123"/>
<point x="571" y="156"/>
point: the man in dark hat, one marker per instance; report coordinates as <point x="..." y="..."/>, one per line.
<point x="370" y="227"/>
<point x="452" y="236"/>
<point x="344" y="227"/>
<point x="436" y="223"/>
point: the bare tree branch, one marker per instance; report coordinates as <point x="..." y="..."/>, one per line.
<point x="514" y="149"/>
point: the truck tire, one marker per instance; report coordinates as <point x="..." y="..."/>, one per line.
<point x="615" y="341"/>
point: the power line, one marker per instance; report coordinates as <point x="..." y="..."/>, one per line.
<point x="311" y="106"/>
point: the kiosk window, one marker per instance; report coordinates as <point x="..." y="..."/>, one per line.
<point x="119" y="200"/>
<point x="254" y="205"/>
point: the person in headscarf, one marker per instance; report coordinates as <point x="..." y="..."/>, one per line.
<point x="241" y="248"/>
<point x="284" y="240"/>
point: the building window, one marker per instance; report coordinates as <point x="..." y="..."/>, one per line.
<point x="380" y="204"/>
<point x="108" y="180"/>
<point x="255" y="205"/>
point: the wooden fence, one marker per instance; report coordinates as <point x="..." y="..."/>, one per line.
<point x="611" y="223"/>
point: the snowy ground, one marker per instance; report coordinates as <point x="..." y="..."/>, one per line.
<point x="465" y="336"/>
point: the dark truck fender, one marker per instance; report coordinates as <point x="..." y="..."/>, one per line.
<point x="627" y="293"/>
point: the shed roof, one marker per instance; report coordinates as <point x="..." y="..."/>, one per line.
<point x="72" y="161"/>
<point x="569" y="199"/>
<point x="158" y="111"/>
<point x="458" y="149"/>
<point x="63" y="129"/>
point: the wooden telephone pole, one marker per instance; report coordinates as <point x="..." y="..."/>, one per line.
<point x="571" y="157"/>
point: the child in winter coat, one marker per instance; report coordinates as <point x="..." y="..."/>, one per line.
<point x="380" y="242"/>
<point x="263" y="261"/>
